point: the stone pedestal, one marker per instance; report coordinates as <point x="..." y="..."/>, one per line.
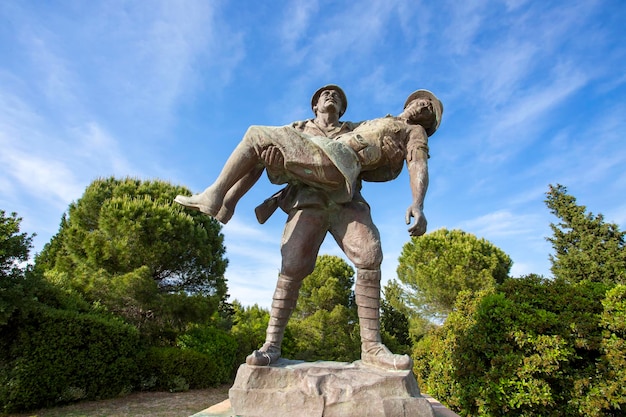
<point x="326" y="389"/>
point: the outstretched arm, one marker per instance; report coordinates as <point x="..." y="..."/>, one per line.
<point x="417" y="162"/>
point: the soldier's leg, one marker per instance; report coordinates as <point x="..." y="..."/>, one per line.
<point x="359" y="238"/>
<point x="235" y="193"/>
<point x="240" y="172"/>
<point x="302" y="238"/>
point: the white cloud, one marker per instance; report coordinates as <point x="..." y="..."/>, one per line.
<point x="99" y="149"/>
<point x="50" y="182"/>
<point x="500" y="223"/>
<point x="465" y="20"/>
<point x="294" y="26"/>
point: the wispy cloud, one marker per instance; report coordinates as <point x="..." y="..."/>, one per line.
<point x="465" y="20"/>
<point x="516" y="125"/>
<point x="295" y="24"/>
<point x="533" y="93"/>
<point x="50" y="182"/>
<point x="500" y="223"/>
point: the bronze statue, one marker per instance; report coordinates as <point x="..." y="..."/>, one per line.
<point x="323" y="162"/>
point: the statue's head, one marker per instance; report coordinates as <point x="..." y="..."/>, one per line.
<point x="330" y="88"/>
<point x="426" y="98"/>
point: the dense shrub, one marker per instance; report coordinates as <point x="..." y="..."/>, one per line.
<point x="217" y="345"/>
<point x="174" y="369"/>
<point x="605" y="393"/>
<point x="57" y="356"/>
<point x="534" y="347"/>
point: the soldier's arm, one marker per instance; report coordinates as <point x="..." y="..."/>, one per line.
<point x="417" y="162"/>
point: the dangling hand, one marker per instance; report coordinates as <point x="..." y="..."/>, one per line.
<point x="418" y="227"/>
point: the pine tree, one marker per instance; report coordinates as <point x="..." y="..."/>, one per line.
<point x="126" y="246"/>
<point x="586" y="247"/>
<point x="436" y="267"/>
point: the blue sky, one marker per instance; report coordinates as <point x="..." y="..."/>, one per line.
<point x="534" y="94"/>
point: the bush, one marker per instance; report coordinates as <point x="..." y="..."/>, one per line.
<point x="173" y="369"/>
<point x="535" y="347"/>
<point x="217" y="345"/>
<point x="58" y="356"/>
<point x="605" y="393"/>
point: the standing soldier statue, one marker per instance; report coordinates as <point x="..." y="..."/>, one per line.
<point x="323" y="162"/>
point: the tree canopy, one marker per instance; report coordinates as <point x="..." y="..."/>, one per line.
<point x="14" y="249"/>
<point x="119" y="226"/>
<point x="586" y="247"/>
<point x="435" y="267"/>
<point x="124" y="245"/>
<point x="330" y="284"/>
<point x="324" y="324"/>
<point x="536" y="346"/>
<point x="14" y="246"/>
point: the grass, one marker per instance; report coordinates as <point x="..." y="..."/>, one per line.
<point x="140" y="404"/>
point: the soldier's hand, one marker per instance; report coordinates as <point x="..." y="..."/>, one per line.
<point x="418" y="227"/>
<point x="394" y="149"/>
<point x="273" y="157"/>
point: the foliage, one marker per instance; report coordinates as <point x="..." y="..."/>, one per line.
<point x="533" y="347"/>
<point x="324" y="324"/>
<point x="605" y="392"/>
<point x="436" y="267"/>
<point x="250" y="324"/>
<point x="14" y="246"/>
<point x="14" y="249"/>
<point x="586" y="248"/>
<point x="121" y="225"/>
<point x="327" y="335"/>
<point x="173" y="369"/>
<point x="218" y="345"/>
<point x="330" y="284"/>
<point x="394" y="321"/>
<point x="22" y="290"/>
<point x="56" y="356"/>
<point x="395" y="311"/>
<point x="125" y="246"/>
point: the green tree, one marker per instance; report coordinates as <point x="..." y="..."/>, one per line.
<point x="50" y="350"/>
<point x="436" y="267"/>
<point x="324" y="324"/>
<point x="395" y="311"/>
<point x="21" y="289"/>
<point x="14" y="250"/>
<point x="125" y="246"/>
<point x="586" y="247"/>
<point x="330" y="284"/>
<point x="14" y="246"/>
<point x="249" y="325"/>
<point x="394" y="319"/>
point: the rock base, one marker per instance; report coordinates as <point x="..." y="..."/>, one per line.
<point x="326" y="389"/>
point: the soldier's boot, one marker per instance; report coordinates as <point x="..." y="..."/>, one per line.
<point x="373" y="352"/>
<point x="283" y="304"/>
